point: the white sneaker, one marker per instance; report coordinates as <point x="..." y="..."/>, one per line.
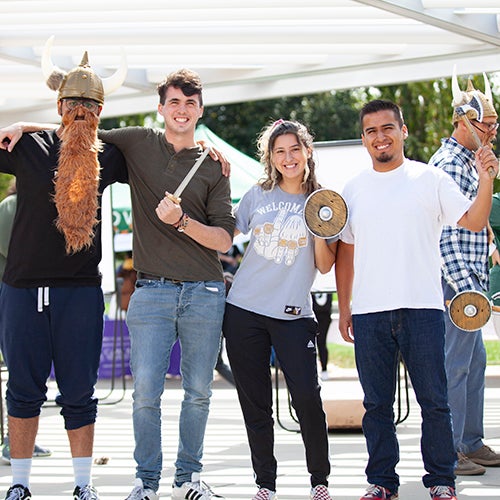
<point x="194" y="489"/>
<point x="324" y="375"/>
<point x="139" y="493"/>
<point x="265" y="494"/>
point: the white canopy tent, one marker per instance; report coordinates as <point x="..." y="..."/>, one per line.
<point x="244" y="50"/>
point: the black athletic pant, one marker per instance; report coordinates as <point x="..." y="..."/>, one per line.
<point x="249" y="337"/>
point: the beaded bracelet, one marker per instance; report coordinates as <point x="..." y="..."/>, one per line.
<point x="176" y="224"/>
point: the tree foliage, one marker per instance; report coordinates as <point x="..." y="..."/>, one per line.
<point x="328" y="115"/>
<point x="4" y="183"/>
<point x="427" y="110"/>
<point x="141" y="120"/>
<point x="334" y="115"/>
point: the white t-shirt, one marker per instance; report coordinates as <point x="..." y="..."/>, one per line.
<point x="277" y="271"/>
<point x="395" y="222"/>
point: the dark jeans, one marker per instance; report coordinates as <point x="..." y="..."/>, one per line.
<point x="419" y="335"/>
<point x="249" y="337"/>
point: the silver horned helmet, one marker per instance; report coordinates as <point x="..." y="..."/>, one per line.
<point x="472" y="102"/>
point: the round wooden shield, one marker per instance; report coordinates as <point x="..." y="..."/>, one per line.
<point x="325" y="213"/>
<point x="469" y="311"/>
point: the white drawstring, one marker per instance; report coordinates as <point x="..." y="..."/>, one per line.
<point x="43" y="297"/>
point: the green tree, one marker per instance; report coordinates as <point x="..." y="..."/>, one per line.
<point x="328" y="115"/>
<point x="4" y="183"/>
<point x="427" y="110"/>
<point x="144" y="119"/>
<point x="334" y="115"/>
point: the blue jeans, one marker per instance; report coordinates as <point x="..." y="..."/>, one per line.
<point x="465" y="369"/>
<point x="418" y="334"/>
<point x="158" y="314"/>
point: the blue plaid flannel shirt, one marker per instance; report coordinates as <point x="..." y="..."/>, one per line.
<point x="463" y="253"/>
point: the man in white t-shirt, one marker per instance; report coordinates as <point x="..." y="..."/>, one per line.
<point x="389" y="261"/>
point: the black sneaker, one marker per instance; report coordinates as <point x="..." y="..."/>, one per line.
<point x="86" y="493"/>
<point x="18" y="492"/>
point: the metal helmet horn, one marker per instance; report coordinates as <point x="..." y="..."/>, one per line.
<point x="472" y="102"/>
<point x="82" y="81"/>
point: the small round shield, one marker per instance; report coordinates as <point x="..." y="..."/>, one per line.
<point x="469" y="311"/>
<point x="325" y="213"/>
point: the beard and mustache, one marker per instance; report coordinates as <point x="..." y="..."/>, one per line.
<point x="77" y="180"/>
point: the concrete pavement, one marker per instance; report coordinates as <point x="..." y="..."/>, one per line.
<point x="227" y="463"/>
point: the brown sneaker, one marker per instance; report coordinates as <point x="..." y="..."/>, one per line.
<point x="466" y="467"/>
<point x="485" y="456"/>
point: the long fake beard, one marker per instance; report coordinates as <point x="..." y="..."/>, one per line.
<point x="77" y="181"/>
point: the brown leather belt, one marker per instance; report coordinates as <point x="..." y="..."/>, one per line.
<point x="152" y="277"/>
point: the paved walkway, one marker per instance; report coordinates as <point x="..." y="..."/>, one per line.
<point x="227" y="464"/>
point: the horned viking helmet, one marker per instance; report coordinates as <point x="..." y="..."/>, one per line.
<point x="472" y="102"/>
<point x="81" y="81"/>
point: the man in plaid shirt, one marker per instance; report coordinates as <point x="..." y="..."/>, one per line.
<point x="464" y="268"/>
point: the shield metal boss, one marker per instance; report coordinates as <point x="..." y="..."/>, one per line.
<point x="325" y="213"/>
<point x="469" y="311"/>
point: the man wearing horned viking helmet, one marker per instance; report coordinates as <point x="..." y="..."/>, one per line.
<point x="464" y="256"/>
<point x="186" y="259"/>
<point x="51" y="300"/>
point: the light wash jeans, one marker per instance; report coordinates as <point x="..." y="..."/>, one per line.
<point x="158" y="314"/>
<point x="465" y="369"/>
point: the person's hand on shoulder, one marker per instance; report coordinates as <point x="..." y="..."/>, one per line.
<point x="10" y="135"/>
<point x="217" y="155"/>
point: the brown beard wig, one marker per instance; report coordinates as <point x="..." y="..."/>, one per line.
<point x="77" y="180"/>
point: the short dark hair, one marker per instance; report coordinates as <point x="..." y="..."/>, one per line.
<point x="380" y="105"/>
<point x="188" y="81"/>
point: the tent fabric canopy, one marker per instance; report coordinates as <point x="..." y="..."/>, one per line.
<point x="245" y="171"/>
<point x="244" y="50"/>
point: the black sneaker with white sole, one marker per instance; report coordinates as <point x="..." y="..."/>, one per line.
<point x="18" y="492"/>
<point x="86" y="493"/>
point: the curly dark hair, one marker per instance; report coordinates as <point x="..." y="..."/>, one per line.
<point x="185" y="79"/>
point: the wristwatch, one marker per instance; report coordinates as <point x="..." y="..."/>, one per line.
<point x="182" y="224"/>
